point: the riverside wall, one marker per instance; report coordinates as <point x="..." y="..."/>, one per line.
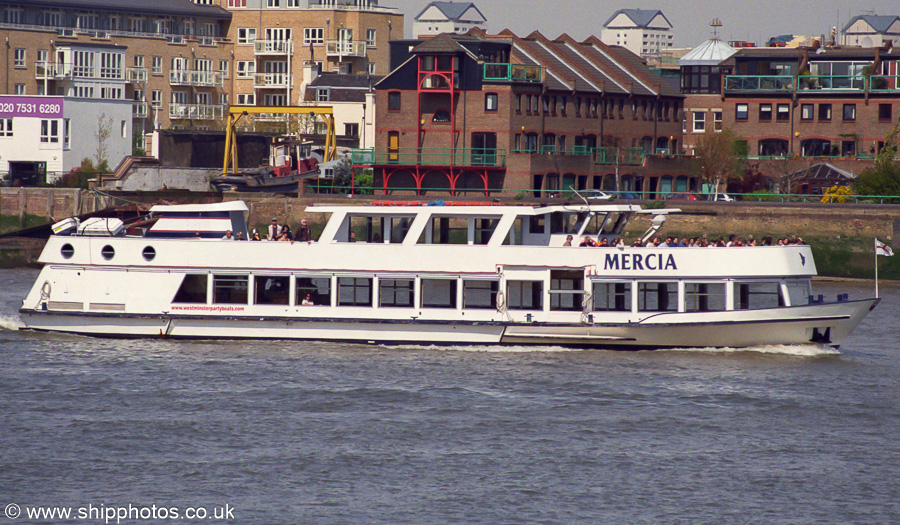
<point x="841" y="235"/>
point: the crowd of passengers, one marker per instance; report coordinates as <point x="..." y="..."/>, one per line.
<point x="276" y="232"/>
<point x="686" y="242"/>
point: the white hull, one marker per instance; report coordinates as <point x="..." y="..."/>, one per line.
<point x="820" y="324"/>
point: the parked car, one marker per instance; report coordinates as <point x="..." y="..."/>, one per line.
<point x="681" y="197"/>
<point x="596" y="195"/>
<point x="720" y="197"/>
<point x="629" y="195"/>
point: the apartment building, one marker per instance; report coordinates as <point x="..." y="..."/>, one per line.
<point x="808" y="102"/>
<point x="871" y="31"/>
<point x="275" y="39"/>
<point x="482" y="113"/>
<point x="644" y="32"/>
<point x="447" y="17"/>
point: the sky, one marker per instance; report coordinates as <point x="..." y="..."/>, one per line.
<point x="754" y="21"/>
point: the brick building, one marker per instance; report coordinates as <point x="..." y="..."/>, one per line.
<point x="806" y="102"/>
<point x="500" y="112"/>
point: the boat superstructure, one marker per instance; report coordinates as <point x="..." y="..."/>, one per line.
<point x="441" y="274"/>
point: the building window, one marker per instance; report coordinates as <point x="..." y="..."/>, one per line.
<point x="246" y="99"/>
<point x="370" y="38"/>
<point x="884" y="112"/>
<point x="246" y="68"/>
<point x="19" y="57"/>
<point x="824" y="112"/>
<point x="765" y="112"/>
<point x="717" y="120"/>
<point x="699" y="121"/>
<point x="394" y="101"/>
<point x="783" y="112"/>
<point x="156" y="98"/>
<point x="323" y="94"/>
<point x="741" y="111"/>
<point x="157" y="65"/>
<point x="50" y="131"/>
<point x="806" y="111"/>
<point x="273" y="3"/>
<point x="351" y="129"/>
<point x="490" y="102"/>
<point x="370" y="68"/>
<point x="246" y="35"/>
<point x="313" y="36"/>
<point x="111" y="65"/>
<point x="19" y="89"/>
<point x="237" y="3"/>
<point x="6" y="127"/>
<point x="849" y="112"/>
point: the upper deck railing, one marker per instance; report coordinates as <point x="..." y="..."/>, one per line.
<point x="759" y="83"/>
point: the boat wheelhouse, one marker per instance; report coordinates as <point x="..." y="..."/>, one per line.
<point x="444" y="274"/>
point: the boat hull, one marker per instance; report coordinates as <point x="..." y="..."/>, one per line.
<point x="826" y="324"/>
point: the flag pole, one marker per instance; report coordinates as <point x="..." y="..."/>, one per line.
<point x="876" y="268"/>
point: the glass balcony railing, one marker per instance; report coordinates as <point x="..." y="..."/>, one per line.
<point x="139" y="109"/>
<point x="483" y="157"/>
<point x="182" y="77"/>
<point x="759" y="83"/>
<point x="626" y="156"/>
<point x="499" y="72"/>
<point x="272" y="47"/>
<point x="271" y="80"/>
<point x="52" y="70"/>
<point x="342" y="48"/>
<point x="195" y="111"/>
<point x="884" y="83"/>
<point x="831" y="82"/>
<point x="136" y="75"/>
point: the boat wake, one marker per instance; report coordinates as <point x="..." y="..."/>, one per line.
<point x="488" y="349"/>
<point x="787" y="350"/>
<point x="10" y="323"/>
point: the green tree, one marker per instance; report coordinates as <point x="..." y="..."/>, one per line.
<point x="720" y="156"/>
<point x="883" y="178"/>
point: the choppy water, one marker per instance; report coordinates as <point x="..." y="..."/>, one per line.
<point x="287" y="432"/>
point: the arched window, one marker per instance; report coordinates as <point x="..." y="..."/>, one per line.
<point x="441" y="115"/>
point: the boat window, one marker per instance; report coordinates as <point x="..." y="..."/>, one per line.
<point x="67" y="251"/>
<point x="484" y="228"/>
<point x="149" y="253"/>
<point x="566" y="289"/>
<point x="108" y="252"/>
<point x="612" y="296"/>
<point x="480" y="294"/>
<point x="438" y="293"/>
<point x="514" y="236"/>
<point x="563" y="222"/>
<point x="399" y="228"/>
<point x="317" y="288"/>
<point x="753" y="296"/>
<point x="615" y="224"/>
<point x="395" y="292"/>
<point x="594" y="224"/>
<point x="449" y="230"/>
<point x="271" y="289"/>
<point x="536" y="224"/>
<point x="230" y="289"/>
<point x="192" y="289"/>
<point x="704" y="297"/>
<point x="355" y="291"/>
<point x="525" y="295"/>
<point x="799" y="292"/>
<point x="657" y="297"/>
<point x="366" y="229"/>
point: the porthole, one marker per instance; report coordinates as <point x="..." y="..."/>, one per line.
<point x="149" y="253"/>
<point x="108" y="252"/>
<point x="67" y="251"/>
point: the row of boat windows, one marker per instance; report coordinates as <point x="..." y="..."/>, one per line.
<point x="566" y="293"/>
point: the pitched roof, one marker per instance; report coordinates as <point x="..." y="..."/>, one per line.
<point x="880" y="23"/>
<point x="442" y="43"/>
<point x="163" y="7"/>
<point x="640" y="17"/>
<point x="823" y="171"/>
<point x="452" y="10"/>
<point x="709" y="53"/>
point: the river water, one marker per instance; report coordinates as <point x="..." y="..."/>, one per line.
<point x="294" y="432"/>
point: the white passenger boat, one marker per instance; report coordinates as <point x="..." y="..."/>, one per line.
<point x="428" y="274"/>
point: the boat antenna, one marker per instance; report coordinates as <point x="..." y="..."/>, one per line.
<point x="580" y="196"/>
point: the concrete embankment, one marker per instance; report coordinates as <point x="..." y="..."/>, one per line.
<point x="841" y="235"/>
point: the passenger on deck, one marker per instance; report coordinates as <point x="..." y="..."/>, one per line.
<point x="637" y="243"/>
<point x="239" y="236"/>
<point x="227" y="236"/>
<point x="307" y="301"/>
<point x="587" y="241"/>
<point x="285" y="233"/>
<point x="603" y="243"/>
<point x="273" y="231"/>
<point x="255" y="237"/>
<point x="568" y="240"/>
<point x="303" y="232"/>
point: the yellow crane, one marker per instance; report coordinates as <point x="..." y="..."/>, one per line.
<point x="236" y="112"/>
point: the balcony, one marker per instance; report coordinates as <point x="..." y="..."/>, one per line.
<point x="884" y="83"/>
<point x="271" y="80"/>
<point x="272" y="47"/>
<point x="136" y="75"/>
<point x="497" y="72"/>
<point x="759" y="83"/>
<point x="53" y="71"/>
<point x="139" y="109"/>
<point x="481" y="157"/>
<point x="195" y="111"/>
<point x="626" y="156"/>
<point x="831" y="82"/>
<point x="183" y="77"/>
<point x="342" y="48"/>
